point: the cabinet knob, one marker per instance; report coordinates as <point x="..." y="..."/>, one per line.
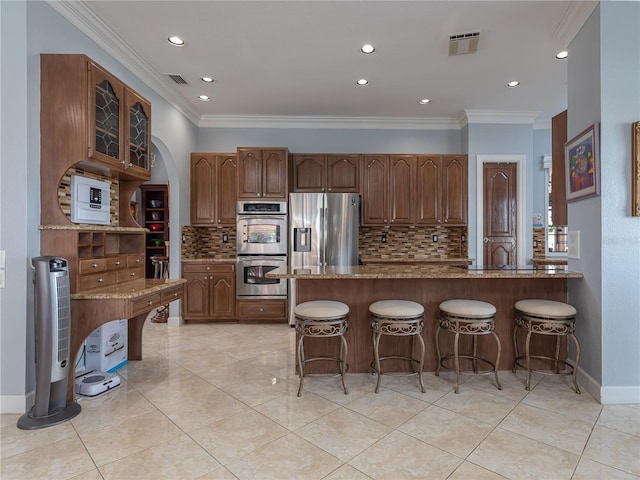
<point x="150" y="302"/>
<point x="124" y="163"/>
<point x="94" y="265"/>
<point x="117" y="263"/>
<point x="262" y="309"/>
<point x="175" y="294"/>
<point x="100" y="280"/>
<point x="137" y="260"/>
<point x="208" y="268"/>
<point x="130" y="164"/>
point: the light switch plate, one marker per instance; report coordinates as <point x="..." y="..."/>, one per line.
<point x="3" y="259"/>
<point x="1" y="278"/>
<point x="573" y="244"/>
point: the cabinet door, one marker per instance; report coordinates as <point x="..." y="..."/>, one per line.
<point x="274" y="174"/>
<point x="429" y="190"/>
<point x="225" y="189"/>
<point x="223" y="296"/>
<point x="196" y="301"/>
<point x="402" y="172"/>
<point x="137" y="135"/>
<point x="106" y="122"/>
<point x="375" y="190"/>
<point x="343" y="173"/>
<point x="455" y="189"/>
<point x="203" y="181"/>
<point x="309" y="173"/>
<point x="249" y="180"/>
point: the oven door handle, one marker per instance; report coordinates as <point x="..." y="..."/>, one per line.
<point x="261" y="258"/>
<point x="275" y="216"/>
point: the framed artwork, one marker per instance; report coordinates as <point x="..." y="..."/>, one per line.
<point x="635" y="169"/>
<point x="582" y="164"/>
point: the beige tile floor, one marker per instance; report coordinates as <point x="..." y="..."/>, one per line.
<point x="218" y="401"/>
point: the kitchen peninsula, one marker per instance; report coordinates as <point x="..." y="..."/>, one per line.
<point x="359" y="286"/>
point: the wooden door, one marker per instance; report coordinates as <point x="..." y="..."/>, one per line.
<point x="375" y="204"/>
<point x="402" y="172"/>
<point x="225" y="186"/>
<point x="196" y="301"/>
<point x="500" y="213"/>
<point x="203" y="181"/>
<point x="249" y="178"/>
<point x="309" y="173"/>
<point x="343" y="173"/>
<point x="274" y="174"/>
<point x="223" y="296"/>
<point x="429" y="190"/>
<point x="454" y="190"/>
<point x="137" y="134"/>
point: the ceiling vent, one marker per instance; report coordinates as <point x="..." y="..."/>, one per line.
<point x="462" y="43"/>
<point x="176" y="77"/>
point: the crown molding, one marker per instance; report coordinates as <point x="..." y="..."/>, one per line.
<point x="354" y="123"/>
<point x="83" y="18"/>
<point x="573" y="20"/>
<point x="497" y="116"/>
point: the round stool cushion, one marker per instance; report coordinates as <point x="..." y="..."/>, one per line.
<point x="321" y="310"/>
<point x="546" y="308"/>
<point x="396" y="309"/>
<point x="467" y="308"/>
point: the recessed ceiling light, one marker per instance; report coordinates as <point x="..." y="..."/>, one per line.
<point x="424" y="101"/>
<point x="207" y="79"/>
<point x="204" y="98"/>
<point x="562" y="55"/>
<point x="176" y="41"/>
<point x="512" y="84"/>
<point x="368" y="48"/>
<point x="362" y="82"/>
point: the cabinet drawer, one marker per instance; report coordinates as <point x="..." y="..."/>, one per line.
<point x="92" y="265"/>
<point x="116" y="263"/>
<point x="130" y="274"/>
<point x="145" y="304"/>
<point x="97" y="280"/>
<point x="210" y="268"/>
<point x="135" y="260"/>
<point x="171" y="295"/>
<point x="261" y="309"/>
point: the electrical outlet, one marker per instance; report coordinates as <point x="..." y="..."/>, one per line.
<point x="225" y="238"/>
<point x="535" y="243"/>
<point x="383" y="238"/>
<point x="435" y="239"/>
<point x="464" y="238"/>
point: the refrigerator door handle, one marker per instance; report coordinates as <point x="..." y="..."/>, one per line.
<point x="323" y="236"/>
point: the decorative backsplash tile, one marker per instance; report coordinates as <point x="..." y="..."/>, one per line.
<point x="539" y="242"/>
<point x="64" y="193"/>
<point x="402" y="242"/>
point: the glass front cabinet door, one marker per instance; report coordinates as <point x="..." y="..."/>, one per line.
<point x="138" y="141"/>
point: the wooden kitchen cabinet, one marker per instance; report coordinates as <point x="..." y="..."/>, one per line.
<point x="262" y="173"/>
<point x="402" y="174"/>
<point x="558" y="175"/>
<point x="210" y="292"/>
<point x="154" y="211"/>
<point x="213" y="189"/>
<point x="273" y="310"/>
<point x="325" y="173"/>
<point x="442" y="190"/>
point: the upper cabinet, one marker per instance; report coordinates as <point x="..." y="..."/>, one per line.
<point x="558" y="176"/>
<point x="442" y="189"/>
<point x="262" y="173"/>
<point x="213" y="189"/>
<point x="92" y="120"/>
<point x="119" y="122"/>
<point x="326" y="173"/>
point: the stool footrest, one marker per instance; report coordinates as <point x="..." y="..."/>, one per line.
<point x="472" y="358"/>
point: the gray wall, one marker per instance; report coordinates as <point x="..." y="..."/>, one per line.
<point x="541" y="147"/>
<point x="604" y="87"/>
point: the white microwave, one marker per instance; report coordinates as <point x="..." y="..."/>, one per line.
<point x="90" y="201"/>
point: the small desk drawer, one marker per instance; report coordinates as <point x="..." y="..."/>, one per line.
<point x="92" y="265"/>
<point x="130" y="274"/>
<point x="97" y="280"/>
<point x="171" y="295"/>
<point x="261" y="309"/>
<point x="209" y="268"/>
<point x="145" y="304"/>
<point x="135" y="260"/>
<point x="116" y="263"/>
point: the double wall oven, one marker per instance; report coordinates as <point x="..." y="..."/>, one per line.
<point x="261" y="247"/>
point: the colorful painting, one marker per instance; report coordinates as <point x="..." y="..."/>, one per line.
<point x="581" y="159"/>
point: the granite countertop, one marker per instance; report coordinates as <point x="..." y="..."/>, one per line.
<point x="418" y="259"/>
<point x="219" y="259"/>
<point x="129" y="290"/>
<point x="550" y="261"/>
<point x="417" y="271"/>
<point x="95" y="228"/>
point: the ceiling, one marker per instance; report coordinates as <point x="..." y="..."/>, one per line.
<point x="300" y="60"/>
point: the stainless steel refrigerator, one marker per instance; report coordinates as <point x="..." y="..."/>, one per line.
<point x="323" y="230"/>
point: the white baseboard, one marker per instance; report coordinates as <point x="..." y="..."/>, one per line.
<point x="13" y="404"/>
<point x="608" y="395"/>
<point x="175" y="321"/>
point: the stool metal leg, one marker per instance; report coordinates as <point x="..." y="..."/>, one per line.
<point x="344" y="349"/>
<point x="421" y="367"/>
<point x="528" y="355"/>
<point x="456" y="360"/>
<point x="438" y="351"/>
<point x="376" y="356"/>
<point x="301" y="363"/>
<point x="515" y="349"/>
<point x="497" y="360"/>
<point x="575" y="366"/>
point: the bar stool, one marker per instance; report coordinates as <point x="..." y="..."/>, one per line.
<point x="545" y="317"/>
<point x="321" y="319"/>
<point x="160" y="270"/>
<point x="399" y="318"/>
<point x="467" y="317"/>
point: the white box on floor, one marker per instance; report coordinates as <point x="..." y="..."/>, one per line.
<point x="106" y="347"/>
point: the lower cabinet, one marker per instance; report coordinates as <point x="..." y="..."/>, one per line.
<point x="210" y="292"/>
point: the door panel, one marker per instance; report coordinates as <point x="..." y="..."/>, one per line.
<point x="499" y="184"/>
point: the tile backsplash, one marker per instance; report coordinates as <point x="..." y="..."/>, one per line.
<point x="401" y="242"/>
